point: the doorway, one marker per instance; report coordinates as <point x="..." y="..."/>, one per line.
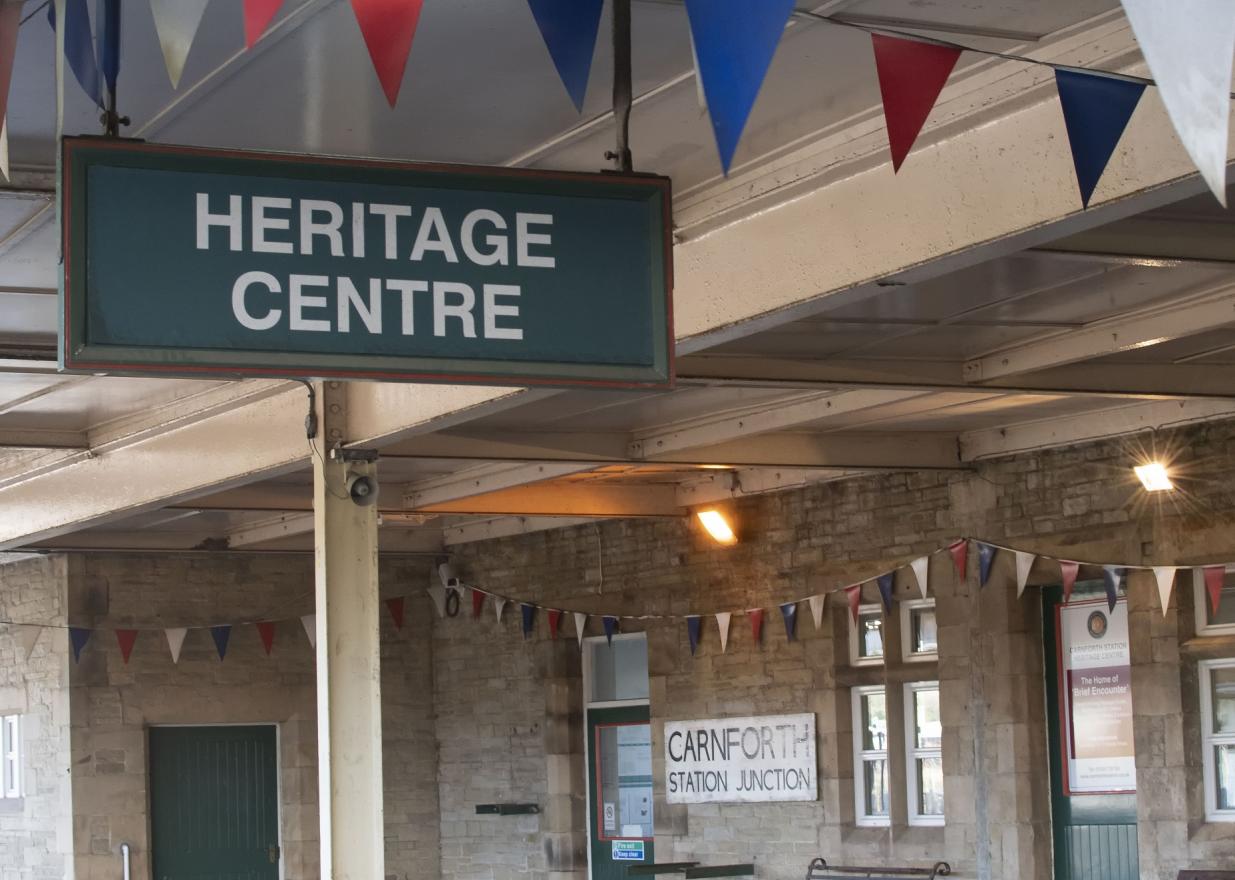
<point x="619" y="755"/>
<point x="1089" y="735"/>
<point x="214" y="803"/>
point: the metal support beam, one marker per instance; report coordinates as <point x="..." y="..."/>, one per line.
<point x="486" y="530"/>
<point x="349" y="692"/>
<point x="426" y="495"/>
<point x="1153" y="241"/>
<point x="566" y="499"/>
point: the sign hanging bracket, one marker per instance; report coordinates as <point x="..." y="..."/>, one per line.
<point x="622" y="89"/>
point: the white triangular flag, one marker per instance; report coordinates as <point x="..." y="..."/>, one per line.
<point x="309" y="622"/>
<point x="499" y="605"/>
<point x="175" y="641"/>
<point x="1165" y="575"/>
<point x="1024" y="562"/>
<point x="816" y="609"/>
<point x="28" y="636"/>
<point x="4" y="151"/>
<point x="722" y="623"/>
<point x="701" y="97"/>
<point x="438" y="595"/>
<point x="580" y="626"/>
<point x="922" y="571"/>
<point x="176" y="23"/>
<point x="1189" y="46"/>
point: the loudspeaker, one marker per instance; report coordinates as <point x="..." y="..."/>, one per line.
<point x="362" y="490"/>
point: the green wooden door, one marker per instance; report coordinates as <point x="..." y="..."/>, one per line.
<point x="1094" y="834"/>
<point x="214" y="810"/>
<point x="620" y="787"/>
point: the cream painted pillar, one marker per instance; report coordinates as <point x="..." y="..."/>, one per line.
<point x="349" y="707"/>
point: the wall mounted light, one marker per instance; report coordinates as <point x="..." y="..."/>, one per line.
<point x="717" y="526"/>
<point x="1154" y="476"/>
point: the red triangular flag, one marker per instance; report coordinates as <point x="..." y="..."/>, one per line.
<point x="854" y="595"/>
<point x="478" y="602"/>
<point x="911" y="76"/>
<point x="126" y="638"/>
<point x="257" y="17"/>
<point x="265" y="629"/>
<point x="555" y="618"/>
<point x="960" y="557"/>
<point x="1068" y="572"/>
<point x="396" y="610"/>
<point x="1214" y="576"/>
<point x="756" y="623"/>
<point x="388" y="27"/>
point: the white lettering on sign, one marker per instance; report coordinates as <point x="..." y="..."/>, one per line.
<point x="345" y="304"/>
<point x="741" y="760"/>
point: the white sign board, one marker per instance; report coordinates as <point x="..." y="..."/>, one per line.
<point x="741" y="760"/>
<point x="1096" y="692"/>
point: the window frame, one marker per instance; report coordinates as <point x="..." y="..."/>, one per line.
<point x="855" y="658"/>
<point x="913" y="754"/>
<point x="12" y="779"/>
<point x="908" y="655"/>
<point x="1209" y="739"/>
<point x="861" y="756"/>
<point x="1200" y="601"/>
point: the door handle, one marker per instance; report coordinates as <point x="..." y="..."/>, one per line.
<point x="273" y="853"/>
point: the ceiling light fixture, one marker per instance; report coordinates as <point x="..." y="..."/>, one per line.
<point x="1154" y="476"/>
<point x="717" y="526"/>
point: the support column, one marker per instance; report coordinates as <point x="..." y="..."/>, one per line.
<point x="349" y="706"/>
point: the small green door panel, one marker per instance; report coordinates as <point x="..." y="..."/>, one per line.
<point x="214" y="810"/>
<point x="620" y="789"/>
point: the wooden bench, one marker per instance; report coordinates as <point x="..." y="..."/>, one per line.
<point x="746" y="869"/>
<point x="658" y="868"/>
<point x="1207" y="874"/>
<point x="821" y="870"/>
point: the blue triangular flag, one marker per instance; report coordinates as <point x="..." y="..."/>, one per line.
<point x="78" y="636"/>
<point x="529" y="618"/>
<point x="789" y="611"/>
<point x="986" y="556"/>
<point x="611" y="625"/>
<point x="1111" y="576"/>
<point x="886" y="582"/>
<point x="109" y="42"/>
<point x="79" y="46"/>
<point x="569" y="28"/>
<point x="1096" y="110"/>
<point x="734" y="44"/>
<point x="694" y="626"/>
<point x="221" y="634"/>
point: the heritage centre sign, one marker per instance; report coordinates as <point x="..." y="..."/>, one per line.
<point x="183" y="261"/>
<point x="741" y="760"/>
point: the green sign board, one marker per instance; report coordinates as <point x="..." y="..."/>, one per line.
<point x="184" y="261"/>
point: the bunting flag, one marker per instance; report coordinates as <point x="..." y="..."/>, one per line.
<point x="816" y="610"/>
<point x="1096" y="110"/>
<point x="79" y="47"/>
<point x="789" y="611"/>
<point x="176" y="22"/>
<point x="1111" y="575"/>
<point x="1165" y="576"/>
<point x="265" y="629"/>
<point x="1024" y="563"/>
<point x="175" y="641"/>
<point x="580" y="627"/>
<point x="78" y="636"/>
<point x="755" y="616"/>
<point x="569" y="29"/>
<point x="388" y="27"/>
<point x="10" y="22"/>
<point x="960" y="557"/>
<point x="438" y="594"/>
<point x="126" y="638"/>
<point x="257" y="17"/>
<point x="109" y="42"/>
<point x="221" y="635"/>
<point x="1067" y="573"/>
<point x="611" y="627"/>
<point x="499" y="605"/>
<point x="986" y="556"/>
<point x="478" y="602"/>
<point x="1214" y="576"/>
<point x="722" y="625"/>
<point x="555" y="620"/>
<point x="1189" y="46"/>
<point x="911" y="76"/>
<point x="28" y="637"/>
<point x="694" y="627"/>
<point x="309" y="622"/>
<point x="734" y="41"/>
<point x="887" y="585"/>
<point x="922" y="571"/>
<point x="4" y="150"/>
<point x="854" y="596"/>
<point x="395" y="607"/>
<point x="529" y="619"/>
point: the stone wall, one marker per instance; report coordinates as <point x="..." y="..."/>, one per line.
<point x="36" y="831"/>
